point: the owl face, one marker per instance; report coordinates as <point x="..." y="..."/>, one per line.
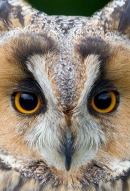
<point x="64" y="88"/>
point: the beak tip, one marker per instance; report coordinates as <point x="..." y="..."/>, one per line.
<point x="67" y="161"/>
<point x="67" y="165"/>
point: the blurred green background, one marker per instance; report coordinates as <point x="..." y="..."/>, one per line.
<point x="68" y="7"/>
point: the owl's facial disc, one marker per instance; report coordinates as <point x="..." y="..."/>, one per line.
<point x="49" y="136"/>
<point x="56" y="101"/>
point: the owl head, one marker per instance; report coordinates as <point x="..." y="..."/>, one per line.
<point x="64" y="99"/>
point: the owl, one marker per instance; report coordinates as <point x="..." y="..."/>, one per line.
<point x="64" y="99"/>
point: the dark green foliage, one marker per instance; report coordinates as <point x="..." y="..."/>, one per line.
<point x="69" y="7"/>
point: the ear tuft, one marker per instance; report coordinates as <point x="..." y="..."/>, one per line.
<point x="14" y="13"/>
<point x="115" y="17"/>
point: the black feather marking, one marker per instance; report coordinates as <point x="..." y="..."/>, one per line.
<point x="125" y="17"/>
<point x="29" y="45"/>
<point x="94" y="46"/>
<point x="6" y="10"/>
<point x="21" y="182"/>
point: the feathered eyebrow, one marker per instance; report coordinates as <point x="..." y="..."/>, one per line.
<point x="27" y="45"/>
<point x="94" y="46"/>
<point x="99" y="47"/>
<point x="18" y="49"/>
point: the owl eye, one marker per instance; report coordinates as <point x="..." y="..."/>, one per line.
<point x="104" y="102"/>
<point x="26" y="102"/>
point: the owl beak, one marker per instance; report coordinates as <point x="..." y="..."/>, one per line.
<point x="67" y="153"/>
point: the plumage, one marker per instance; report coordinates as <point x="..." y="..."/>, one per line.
<point x="64" y="99"/>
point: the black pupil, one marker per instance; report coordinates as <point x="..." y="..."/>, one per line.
<point x="102" y="100"/>
<point x="28" y="101"/>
